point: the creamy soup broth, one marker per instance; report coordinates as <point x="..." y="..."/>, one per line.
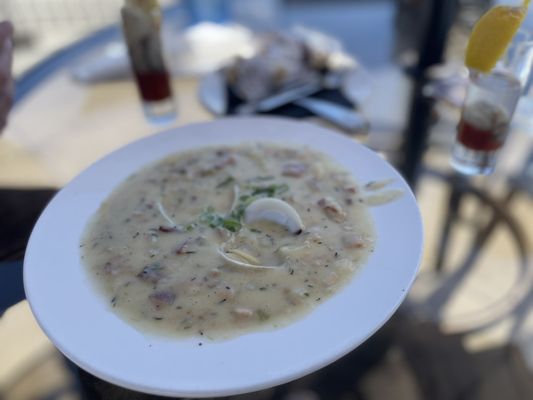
<point x="161" y="247"/>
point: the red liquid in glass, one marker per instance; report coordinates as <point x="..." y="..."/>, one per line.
<point x="478" y="139"/>
<point x="483" y="127"/>
<point x="153" y="86"/>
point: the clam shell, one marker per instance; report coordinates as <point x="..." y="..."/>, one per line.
<point x="276" y="211"/>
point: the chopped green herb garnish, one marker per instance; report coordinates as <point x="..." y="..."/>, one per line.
<point x="270" y="190"/>
<point x="263" y="178"/>
<point x="232" y="222"/>
<point x="262" y="315"/>
<point x="226" y="181"/>
<point x="214" y="220"/>
<point x="209" y="217"/>
<point x="231" y="225"/>
<point x="238" y="211"/>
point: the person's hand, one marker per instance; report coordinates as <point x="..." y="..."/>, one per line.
<point x="6" y="80"/>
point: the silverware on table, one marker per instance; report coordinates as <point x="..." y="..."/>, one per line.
<point x="287" y="96"/>
<point x="343" y="117"/>
<point x="213" y="93"/>
<point x="346" y="118"/>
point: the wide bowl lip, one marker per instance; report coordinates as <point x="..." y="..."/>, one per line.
<point x="336" y="351"/>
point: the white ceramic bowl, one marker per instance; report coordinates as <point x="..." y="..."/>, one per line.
<point x="80" y="323"/>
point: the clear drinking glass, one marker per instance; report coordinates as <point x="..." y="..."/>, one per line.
<point x="487" y="111"/>
<point x="489" y="105"/>
<point x="141" y="21"/>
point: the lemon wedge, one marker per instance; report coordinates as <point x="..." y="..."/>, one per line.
<point x="492" y="34"/>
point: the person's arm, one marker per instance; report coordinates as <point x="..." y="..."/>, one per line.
<point x="6" y="80"/>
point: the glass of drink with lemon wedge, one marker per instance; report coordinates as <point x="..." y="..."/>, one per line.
<point x="497" y="68"/>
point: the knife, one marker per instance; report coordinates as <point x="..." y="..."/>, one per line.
<point x="213" y="95"/>
<point x="348" y="119"/>
<point x="280" y="99"/>
<point x="345" y="118"/>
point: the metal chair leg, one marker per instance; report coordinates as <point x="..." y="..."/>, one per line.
<point x="452" y="214"/>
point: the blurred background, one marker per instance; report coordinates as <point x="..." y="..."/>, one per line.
<point x="466" y="328"/>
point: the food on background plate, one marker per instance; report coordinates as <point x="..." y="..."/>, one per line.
<point x="220" y="241"/>
<point x="282" y="60"/>
<point x="278" y="61"/>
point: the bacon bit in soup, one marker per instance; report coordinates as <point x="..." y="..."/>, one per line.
<point x="330" y="279"/>
<point x="352" y="189"/>
<point x="354" y="241"/>
<point x="225" y="292"/>
<point x="332" y="209"/>
<point x="112" y="268"/>
<point x="241" y="313"/>
<point x="151" y="273"/>
<point x="214" y="273"/>
<point x="162" y="299"/>
<point x="294" y="169"/>
<point x="292" y="297"/>
<point x="223" y="160"/>
<point x="167" y="229"/>
<point x="183" y="248"/>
